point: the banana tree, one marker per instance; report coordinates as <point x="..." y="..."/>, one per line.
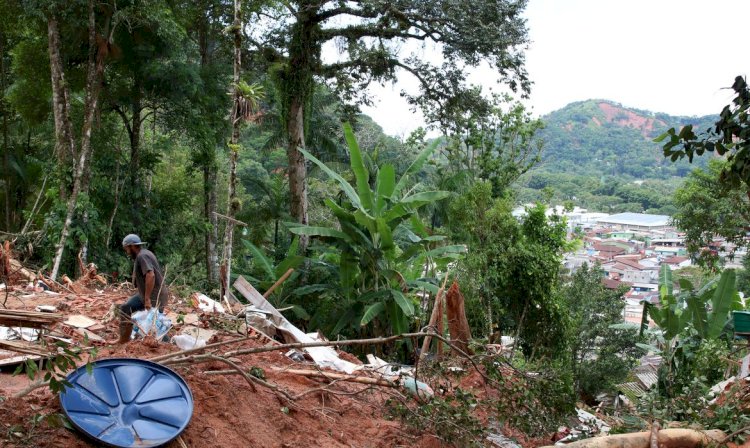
<point x="267" y="273"/>
<point x="687" y="319"/>
<point x="378" y="239"/>
<point x="706" y="310"/>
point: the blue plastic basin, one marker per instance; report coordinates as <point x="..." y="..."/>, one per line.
<point x="128" y="402"/>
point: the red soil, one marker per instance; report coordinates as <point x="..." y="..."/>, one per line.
<point x="227" y="412"/>
<point x="624" y="117"/>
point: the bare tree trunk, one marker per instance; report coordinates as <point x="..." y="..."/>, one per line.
<point x="210" y="175"/>
<point x="94" y="69"/>
<point x="6" y="148"/>
<point x="297" y="168"/>
<point x="212" y="234"/>
<point x="64" y="145"/>
<point x="234" y="117"/>
<point x="135" y="148"/>
<point x="118" y="187"/>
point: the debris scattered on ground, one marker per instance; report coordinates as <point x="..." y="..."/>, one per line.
<point x="207" y="304"/>
<point x="338" y="400"/>
<point x="79" y="321"/>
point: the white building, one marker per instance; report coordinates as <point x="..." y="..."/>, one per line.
<point x="636" y="221"/>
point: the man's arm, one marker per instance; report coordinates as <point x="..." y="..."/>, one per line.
<point x="150" y="280"/>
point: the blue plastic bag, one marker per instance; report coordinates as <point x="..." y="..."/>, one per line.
<point x="146" y="320"/>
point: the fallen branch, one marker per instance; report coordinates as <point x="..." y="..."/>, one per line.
<point x="30" y="388"/>
<point x="167" y="359"/>
<point x="253" y="379"/>
<point x="734" y="434"/>
<point x="196" y="350"/>
<point x="237" y="369"/>
<point x="341" y="377"/>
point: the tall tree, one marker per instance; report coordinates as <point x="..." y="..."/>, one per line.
<point x="371" y="35"/>
<point x="4" y="110"/>
<point x="203" y="118"/>
<point x="235" y="115"/>
<point x="65" y="142"/>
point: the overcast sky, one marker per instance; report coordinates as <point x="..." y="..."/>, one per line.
<point x="670" y="56"/>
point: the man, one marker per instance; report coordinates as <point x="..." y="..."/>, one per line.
<point x="147" y="278"/>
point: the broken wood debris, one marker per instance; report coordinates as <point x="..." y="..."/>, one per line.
<point x="31" y="319"/>
<point x="24" y="347"/>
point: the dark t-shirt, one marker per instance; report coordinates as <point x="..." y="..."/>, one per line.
<point x="146" y="261"/>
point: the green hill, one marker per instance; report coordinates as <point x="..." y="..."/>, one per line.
<point x="598" y="137"/>
<point x="601" y="155"/>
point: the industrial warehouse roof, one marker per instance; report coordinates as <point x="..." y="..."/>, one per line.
<point x="636" y="219"/>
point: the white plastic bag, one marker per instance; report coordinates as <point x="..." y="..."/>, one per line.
<point x="146" y="319"/>
<point x="187" y="342"/>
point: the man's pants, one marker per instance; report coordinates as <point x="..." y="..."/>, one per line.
<point x="133" y="304"/>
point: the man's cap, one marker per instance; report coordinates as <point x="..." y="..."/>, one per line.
<point x="132" y="240"/>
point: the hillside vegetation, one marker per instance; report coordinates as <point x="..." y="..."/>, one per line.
<point x="601" y="155"/>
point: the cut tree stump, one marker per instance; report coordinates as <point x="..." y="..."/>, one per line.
<point x="458" y="325"/>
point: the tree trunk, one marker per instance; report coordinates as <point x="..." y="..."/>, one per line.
<point x="304" y="51"/>
<point x="234" y="118"/>
<point x="93" y="75"/>
<point x="212" y="233"/>
<point x="118" y="188"/>
<point x="297" y="168"/>
<point x="135" y="149"/>
<point x="6" y="148"/>
<point x="210" y="199"/>
<point x="64" y="145"/>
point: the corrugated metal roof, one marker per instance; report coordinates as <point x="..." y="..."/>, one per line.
<point x="632" y="390"/>
<point x="636" y="219"/>
<point x="647" y="379"/>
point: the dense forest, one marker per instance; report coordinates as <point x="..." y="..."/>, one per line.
<point x="228" y="135"/>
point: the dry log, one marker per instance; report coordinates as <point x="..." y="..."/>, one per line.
<point x="654" y="440"/>
<point x="668" y="438"/>
<point x="458" y="325"/>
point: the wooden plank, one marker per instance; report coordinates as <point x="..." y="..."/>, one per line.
<point x="24" y="347"/>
